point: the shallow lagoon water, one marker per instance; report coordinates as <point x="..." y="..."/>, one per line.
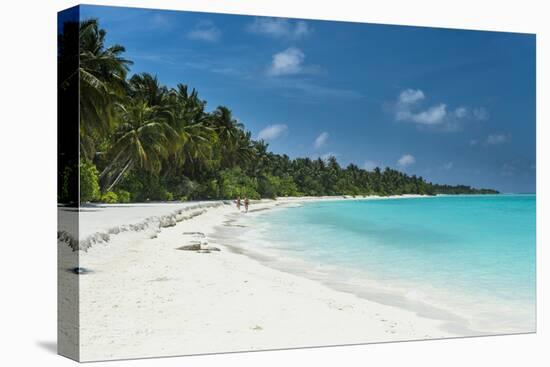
<point x="467" y="259"/>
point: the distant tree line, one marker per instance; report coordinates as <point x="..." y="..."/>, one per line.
<point x="460" y="190"/>
<point x="140" y="141"/>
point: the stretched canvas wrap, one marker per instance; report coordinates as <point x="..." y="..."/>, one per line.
<point x="240" y="183"/>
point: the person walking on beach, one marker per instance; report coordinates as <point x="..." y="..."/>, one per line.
<point x="238" y="201"/>
<point x="246" y="202"/>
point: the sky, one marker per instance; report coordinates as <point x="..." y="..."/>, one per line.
<point x="452" y="106"/>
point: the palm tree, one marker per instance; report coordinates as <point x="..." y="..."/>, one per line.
<point x="256" y="154"/>
<point x="101" y="77"/>
<point x="147" y="88"/>
<point x="226" y="126"/>
<point x="228" y="130"/>
<point x="187" y="117"/>
<point x="143" y="139"/>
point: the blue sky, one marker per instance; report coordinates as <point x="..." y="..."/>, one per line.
<point x="452" y="106"/>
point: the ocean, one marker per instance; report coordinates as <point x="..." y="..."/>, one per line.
<point x="467" y="260"/>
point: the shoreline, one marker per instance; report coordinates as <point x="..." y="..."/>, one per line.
<point x="331" y="277"/>
<point x="98" y="228"/>
<point x="284" y="260"/>
<point x="144" y="297"/>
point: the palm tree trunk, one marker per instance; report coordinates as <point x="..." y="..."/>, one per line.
<point x="119" y="177"/>
<point x="110" y="166"/>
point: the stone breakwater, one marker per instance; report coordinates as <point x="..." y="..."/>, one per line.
<point x="151" y="225"/>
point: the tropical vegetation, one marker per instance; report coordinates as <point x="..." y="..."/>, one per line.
<point x="141" y="140"/>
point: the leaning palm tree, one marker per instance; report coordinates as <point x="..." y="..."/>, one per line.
<point x="101" y="78"/>
<point x="143" y="140"/>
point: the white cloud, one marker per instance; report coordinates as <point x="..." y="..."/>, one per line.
<point x="406" y="160"/>
<point x="370" y="165"/>
<point x="432" y="116"/>
<point x="477" y="113"/>
<point x="410" y="96"/>
<point x="495" y="139"/>
<point x="280" y="28"/>
<point x="289" y="61"/>
<point x="473" y="142"/>
<point x="321" y="140"/>
<point x="272" y="131"/>
<point x="405" y="109"/>
<point x="480" y="113"/>
<point x="409" y="108"/>
<point x="461" y="112"/>
<point x="310" y="91"/>
<point x="205" y="31"/>
<point x="448" y="166"/>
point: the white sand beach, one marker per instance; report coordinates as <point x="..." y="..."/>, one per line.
<point x="144" y="297"/>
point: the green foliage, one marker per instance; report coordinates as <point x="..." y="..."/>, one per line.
<point x="210" y="189"/>
<point x="234" y="183"/>
<point x="165" y="195"/>
<point x="150" y="142"/>
<point x="123" y="196"/>
<point x="288" y="187"/>
<point x="109" y="197"/>
<point x="145" y="186"/>
<point x="183" y="187"/>
<point x="460" y="190"/>
<point x="89" y="182"/>
<point x="271" y="186"/>
<point x="100" y="79"/>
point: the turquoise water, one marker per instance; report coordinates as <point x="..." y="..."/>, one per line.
<point x="470" y="256"/>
